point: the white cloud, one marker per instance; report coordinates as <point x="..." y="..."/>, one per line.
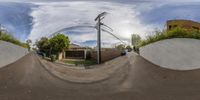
<point x="101" y="0"/>
<point x="51" y="17"/>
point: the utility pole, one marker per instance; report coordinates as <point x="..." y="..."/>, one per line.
<point x="99" y="41"/>
<point x="98" y="27"/>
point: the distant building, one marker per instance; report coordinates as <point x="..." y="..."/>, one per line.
<point x="187" y="24"/>
<point x="3" y="29"/>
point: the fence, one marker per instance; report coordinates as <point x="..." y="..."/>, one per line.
<point x="106" y="54"/>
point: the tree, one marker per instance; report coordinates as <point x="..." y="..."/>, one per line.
<point x="43" y="45"/>
<point x="129" y="48"/>
<point x="120" y="47"/>
<point x="28" y="42"/>
<point x="58" y="43"/>
<point x="135" y="39"/>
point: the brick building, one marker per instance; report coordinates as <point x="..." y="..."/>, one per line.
<point x="187" y="24"/>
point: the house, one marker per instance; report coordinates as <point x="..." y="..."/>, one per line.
<point x="187" y="24"/>
<point x="77" y="52"/>
<point x="74" y="52"/>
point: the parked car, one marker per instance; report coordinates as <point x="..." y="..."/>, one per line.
<point x="39" y="53"/>
<point x="123" y="53"/>
<point x="129" y="50"/>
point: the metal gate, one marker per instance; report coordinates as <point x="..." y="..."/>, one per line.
<point x="75" y="54"/>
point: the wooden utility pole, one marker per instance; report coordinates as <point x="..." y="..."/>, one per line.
<point x="98" y="27"/>
<point x="99" y="41"/>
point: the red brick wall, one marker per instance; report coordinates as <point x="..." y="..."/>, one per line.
<point x="106" y="55"/>
<point x="187" y="24"/>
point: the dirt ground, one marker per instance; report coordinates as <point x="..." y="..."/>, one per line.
<point x="27" y="79"/>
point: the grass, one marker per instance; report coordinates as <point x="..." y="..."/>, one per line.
<point x="81" y="62"/>
<point x="8" y="38"/>
<point x="174" y="33"/>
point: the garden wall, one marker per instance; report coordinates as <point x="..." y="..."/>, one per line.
<point x="176" y="54"/>
<point x="10" y="53"/>
<point x="106" y="55"/>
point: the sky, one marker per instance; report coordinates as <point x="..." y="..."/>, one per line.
<point x="33" y="19"/>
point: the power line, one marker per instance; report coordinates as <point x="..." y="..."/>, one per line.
<point x="109" y="29"/>
<point x="113" y="35"/>
<point x="70" y="28"/>
<point x="99" y="18"/>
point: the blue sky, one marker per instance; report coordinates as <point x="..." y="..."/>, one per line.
<point x="35" y="19"/>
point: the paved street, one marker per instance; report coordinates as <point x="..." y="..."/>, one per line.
<point x="117" y="68"/>
<point x="27" y="79"/>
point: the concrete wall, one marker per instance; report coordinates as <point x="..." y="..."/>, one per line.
<point x="10" y="53"/>
<point x="176" y="54"/>
<point x="106" y="55"/>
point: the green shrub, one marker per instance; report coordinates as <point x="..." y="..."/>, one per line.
<point x="53" y="58"/>
<point x="54" y="45"/>
<point x="174" y="33"/>
<point x="8" y="38"/>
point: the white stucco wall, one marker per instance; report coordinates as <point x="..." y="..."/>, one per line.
<point x="10" y="53"/>
<point x="176" y="54"/>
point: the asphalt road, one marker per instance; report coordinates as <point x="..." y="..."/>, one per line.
<point x="27" y="79"/>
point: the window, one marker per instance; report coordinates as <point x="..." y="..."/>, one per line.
<point x="170" y="27"/>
